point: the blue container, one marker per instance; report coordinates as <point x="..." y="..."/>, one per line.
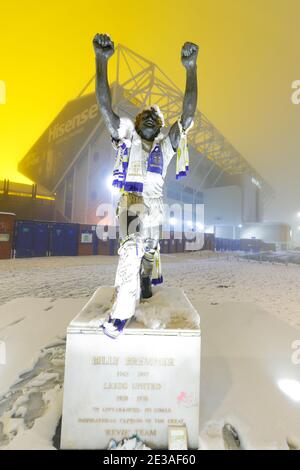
<point x="95" y="243"/>
<point x="237" y="245"/>
<point x="222" y="244"/>
<point x="231" y="245"/>
<point x="64" y="239"/>
<point x="164" y="246"/>
<point x="112" y="247"/>
<point x="31" y="238"/>
<point x="24" y="239"/>
<point x="40" y="239"/>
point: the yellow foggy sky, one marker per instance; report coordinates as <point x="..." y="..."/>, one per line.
<point x="248" y="59"/>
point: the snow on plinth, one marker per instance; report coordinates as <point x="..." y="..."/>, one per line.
<point x="169" y="308"/>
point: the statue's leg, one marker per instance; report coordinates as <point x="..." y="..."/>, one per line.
<point x="127" y="282"/>
<point x="150" y="246"/>
<point x="127" y="278"/>
<point x="150" y="234"/>
<point x="147" y="267"/>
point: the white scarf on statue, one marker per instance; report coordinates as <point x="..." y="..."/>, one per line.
<point x="128" y="173"/>
<point x="182" y="160"/>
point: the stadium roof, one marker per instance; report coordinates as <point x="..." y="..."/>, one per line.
<point x="137" y="82"/>
<point x="143" y="83"/>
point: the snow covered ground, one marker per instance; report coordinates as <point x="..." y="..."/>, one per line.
<point x="223" y="288"/>
<point x="203" y="276"/>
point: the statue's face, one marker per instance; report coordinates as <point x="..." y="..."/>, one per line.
<point x="148" y="124"/>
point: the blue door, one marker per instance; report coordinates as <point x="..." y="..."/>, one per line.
<point x="24" y="239"/>
<point x="64" y="239"/>
<point x="95" y="241"/>
<point x="57" y="240"/>
<point x="71" y="240"/>
<point x="40" y="239"/>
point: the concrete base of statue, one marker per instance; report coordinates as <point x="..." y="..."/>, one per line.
<point x="141" y="383"/>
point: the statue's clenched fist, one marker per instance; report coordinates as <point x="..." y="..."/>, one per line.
<point x="103" y="46"/>
<point x="189" y="53"/>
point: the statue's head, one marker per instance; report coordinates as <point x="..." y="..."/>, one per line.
<point x="149" y="122"/>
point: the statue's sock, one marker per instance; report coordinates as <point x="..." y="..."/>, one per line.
<point x="146" y="289"/>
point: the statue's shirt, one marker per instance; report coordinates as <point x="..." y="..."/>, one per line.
<point x="151" y="173"/>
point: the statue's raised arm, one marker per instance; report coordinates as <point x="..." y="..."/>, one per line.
<point x="189" y="53"/>
<point x="104" y="49"/>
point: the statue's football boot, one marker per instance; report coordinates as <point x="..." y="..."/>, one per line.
<point x="115" y="327"/>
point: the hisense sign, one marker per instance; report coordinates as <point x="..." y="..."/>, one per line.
<point x="56" y="149"/>
<point x="60" y="129"/>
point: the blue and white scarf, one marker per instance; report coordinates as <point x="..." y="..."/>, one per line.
<point x="128" y="172"/>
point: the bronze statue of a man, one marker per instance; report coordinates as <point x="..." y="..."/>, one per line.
<point x="143" y="154"/>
